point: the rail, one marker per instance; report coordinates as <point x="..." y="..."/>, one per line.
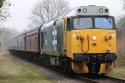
<point x="106" y="79"/>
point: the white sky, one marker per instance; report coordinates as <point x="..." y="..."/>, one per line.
<point x="21" y="10"/>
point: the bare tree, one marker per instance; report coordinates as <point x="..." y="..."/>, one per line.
<point x="121" y="33"/>
<point x="121" y="23"/>
<point x="47" y="10"/>
<point x="124" y="4"/>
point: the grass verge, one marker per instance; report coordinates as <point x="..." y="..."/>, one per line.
<point x="119" y="72"/>
<point x="13" y="71"/>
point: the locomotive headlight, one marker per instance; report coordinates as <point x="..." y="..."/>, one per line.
<point x="94" y="38"/>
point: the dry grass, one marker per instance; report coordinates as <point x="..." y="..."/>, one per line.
<point x="121" y="52"/>
<point x="119" y="72"/>
<point x="13" y="71"/>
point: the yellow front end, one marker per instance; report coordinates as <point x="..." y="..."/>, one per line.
<point x="91" y="43"/>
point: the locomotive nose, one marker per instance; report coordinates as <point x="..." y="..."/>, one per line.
<point x="94" y="41"/>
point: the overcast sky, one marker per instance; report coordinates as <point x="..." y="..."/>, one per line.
<point x="21" y="10"/>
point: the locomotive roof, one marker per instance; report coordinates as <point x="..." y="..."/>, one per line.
<point x="89" y="10"/>
<point x="47" y="24"/>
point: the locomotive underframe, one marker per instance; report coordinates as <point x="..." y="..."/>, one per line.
<point x="94" y="61"/>
<point x="99" y="58"/>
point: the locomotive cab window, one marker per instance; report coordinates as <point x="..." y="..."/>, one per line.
<point x="82" y="23"/>
<point x="95" y="22"/>
<point x="103" y="22"/>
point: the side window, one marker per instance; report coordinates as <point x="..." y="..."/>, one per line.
<point x="67" y="23"/>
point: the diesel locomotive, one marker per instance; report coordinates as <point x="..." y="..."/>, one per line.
<point x="82" y="41"/>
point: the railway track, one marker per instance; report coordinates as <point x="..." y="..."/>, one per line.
<point x="106" y="79"/>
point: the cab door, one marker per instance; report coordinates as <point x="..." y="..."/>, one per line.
<point x="67" y="38"/>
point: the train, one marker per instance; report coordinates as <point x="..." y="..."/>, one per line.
<point x="82" y="41"/>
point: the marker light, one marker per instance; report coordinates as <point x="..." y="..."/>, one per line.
<point x="94" y="38"/>
<point x="108" y="49"/>
<point x="79" y="10"/>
